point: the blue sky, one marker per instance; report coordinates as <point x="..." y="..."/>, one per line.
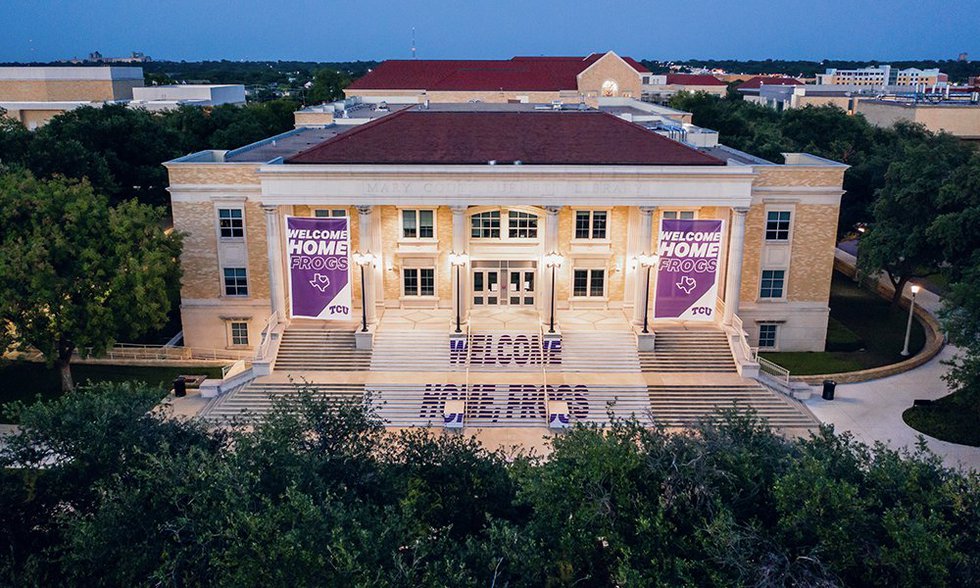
<point x="328" y="30"/>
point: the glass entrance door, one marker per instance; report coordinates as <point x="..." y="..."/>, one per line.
<point x="486" y="287"/>
<point x="521" y="287"/>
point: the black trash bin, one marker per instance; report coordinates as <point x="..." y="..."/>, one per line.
<point x="180" y="387"/>
<point x="828" y="389"/>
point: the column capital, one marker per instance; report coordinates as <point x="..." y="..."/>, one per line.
<point x="648" y="210"/>
<point x="364" y="209"/>
<point x="459" y="208"/>
<point x="740" y="210"/>
<point x="270" y="209"/>
<point x="552" y="210"/>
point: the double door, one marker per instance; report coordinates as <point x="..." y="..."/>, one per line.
<point x="494" y="287"/>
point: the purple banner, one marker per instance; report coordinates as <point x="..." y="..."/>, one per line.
<point x="687" y="273"/>
<point x="318" y="250"/>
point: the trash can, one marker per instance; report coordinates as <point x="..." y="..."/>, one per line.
<point x="180" y="387"/>
<point x="828" y="389"/>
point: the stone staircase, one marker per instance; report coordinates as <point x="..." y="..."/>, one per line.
<point x="680" y="406"/>
<point x="689" y="351"/>
<point x="598" y="351"/>
<point x="415" y="351"/>
<point x="258" y="397"/>
<point x="311" y="349"/>
<point x="508" y="351"/>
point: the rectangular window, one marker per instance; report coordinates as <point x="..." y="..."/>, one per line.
<point x="589" y="283"/>
<point x="419" y="281"/>
<point x="231" y="223"/>
<point x="767" y="336"/>
<point x="679" y="214"/>
<point x="590" y="224"/>
<point x="328" y="213"/>
<point x="485" y="225"/>
<point x="239" y="333"/>
<point x="777" y="225"/>
<point x="236" y="282"/>
<point x="522" y="225"/>
<point x="772" y="284"/>
<point x="418" y="224"/>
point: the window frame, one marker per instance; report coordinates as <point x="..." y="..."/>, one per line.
<point x="771" y="287"/>
<point x="231" y="227"/>
<point x="484" y="226"/>
<point x="240" y="282"/>
<point x="529" y="219"/>
<point x="788" y="230"/>
<point x="417" y="213"/>
<point x="418" y="269"/>
<point x="331" y="213"/>
<point x="591" y="228"/>
<point x="243" y="340"/>
<point x="677" y="212"/>
<point x="774" y="338"/>
<point x="589" y="284"/>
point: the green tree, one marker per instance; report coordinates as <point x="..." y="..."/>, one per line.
<point x="899" y="240"/>
<point x="77" y="274"/>
<point x="117" y="148"/>
<point x="14" y="140"/>
<point x="328" y="85"/>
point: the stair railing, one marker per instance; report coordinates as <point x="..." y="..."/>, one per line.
<point x="775" y="371"/>
<point x="265" y="339"/>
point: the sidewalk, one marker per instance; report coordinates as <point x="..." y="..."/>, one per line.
<point x="872" y="411"/>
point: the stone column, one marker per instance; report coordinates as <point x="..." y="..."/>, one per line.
<point x="277" y="285"/>
<point x="641" y="296"/>
<point x="368" y="218"/>
<point x="460" y="288"/>
<point x="733" y="275"/>
<point x="550" y="246"/>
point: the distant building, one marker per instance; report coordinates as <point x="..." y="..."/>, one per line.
<point x="883" y="75"/>
<point x="785" y="96"/>
<point x="662" y="87"/>
<point x="97" y="57"/>
<point x="519" y="79"/>
<point x="958" y="116"/>
<point x="156" y="98"/>
<point x="34" y="95"/>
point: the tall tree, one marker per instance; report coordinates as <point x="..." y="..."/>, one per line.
<point x="119" y="150"/>
<point x="899" y="241"/>
<point x="77" y="274"/>
<point x="328" y="85"/>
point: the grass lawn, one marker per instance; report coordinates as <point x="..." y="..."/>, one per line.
<point x="952" y="418"/>
<point x="29" y="381"/>
<point x="860" y="313"/>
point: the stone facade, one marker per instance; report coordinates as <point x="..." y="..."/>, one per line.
<point x="808" y="188"/>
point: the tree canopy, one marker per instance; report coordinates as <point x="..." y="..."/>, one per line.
<point x="99" y="489"/>
<point x="77" y="274"/>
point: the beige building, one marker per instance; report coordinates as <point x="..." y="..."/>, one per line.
<point x="33" y="95"/>
<point x="884" y="75"/>
<point x="961" y="119"/>
<point x="520" y="79"/>
<point x="660" y="88"/>
<point x="503" y="267"/>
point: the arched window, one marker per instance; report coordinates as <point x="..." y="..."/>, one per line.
<point x="610" y="88"/>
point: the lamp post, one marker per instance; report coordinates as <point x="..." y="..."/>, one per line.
<point x="857" y="251"/>
<point x="363" y="259"/>
<point x="553" y="260"/>
<point x="647" y="261"/>
<point x="458" y="260"/>
<point x="908" y="326"/>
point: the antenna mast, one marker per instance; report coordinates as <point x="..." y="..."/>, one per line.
<point x="413" y="42"/>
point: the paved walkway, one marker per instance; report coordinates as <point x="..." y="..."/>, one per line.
<point x="872" y="411"/>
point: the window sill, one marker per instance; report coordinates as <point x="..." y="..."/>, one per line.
<point x="231" y="239"/>
<point x="591" y="241"/>
<point x="420" y="241"/>
<point x="588" y="299"/>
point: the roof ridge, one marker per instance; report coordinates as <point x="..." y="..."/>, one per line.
<point x="355" y="131"/>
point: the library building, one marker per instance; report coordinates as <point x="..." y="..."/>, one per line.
<point x="505" y="264"/>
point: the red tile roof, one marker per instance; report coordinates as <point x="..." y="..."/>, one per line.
<point x="519" y="73"/>
<point x="694" y="80"/>
<point x="532" y="137"/>
<point x="757" y="81"/>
